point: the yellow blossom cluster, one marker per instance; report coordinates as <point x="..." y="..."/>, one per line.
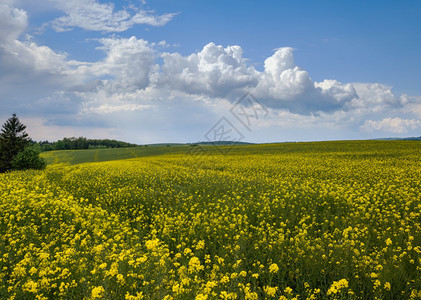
<point x="334" y="220"/>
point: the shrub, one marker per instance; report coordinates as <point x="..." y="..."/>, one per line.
<point x="28" y="159"/>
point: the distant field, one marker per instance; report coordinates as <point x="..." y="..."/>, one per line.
<point x="72" y="157"/>
<point x="325" y="220"/>
<point x="357" y="149"/>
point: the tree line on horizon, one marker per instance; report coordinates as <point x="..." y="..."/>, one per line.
<point x="73" y="143"/>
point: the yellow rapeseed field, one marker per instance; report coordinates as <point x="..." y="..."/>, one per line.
<point x="289" y="221"/>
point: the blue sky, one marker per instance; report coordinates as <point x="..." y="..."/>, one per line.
<point x="168" y="71"/>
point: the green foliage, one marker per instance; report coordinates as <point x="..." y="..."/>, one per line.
<point x="29" y="159"/>
<point x="83" y="143"/>
<point x="97" y="147"/>
<point x="13" y="139"/>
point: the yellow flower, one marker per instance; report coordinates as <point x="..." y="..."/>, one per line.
<point x="177" y="289"/>
<point x="194" y="263"/>
<point x="337" y="286"/>
<point x="30" y="286"/>
<point x="200" y="245"/>
<point x="225" y="279"/>
<point x="251" y="296"/>
<point x="273" y="268"/>
<point x="270" y="291"/>
<point x="288" y="290"/>
<point x="103" y="265"/>
<point x="97" y="292"/>
<point x="201" y="297"/>
<point x="139" y="296"/>
<point x="120" y="278"/>
<point x="152" y="244"/>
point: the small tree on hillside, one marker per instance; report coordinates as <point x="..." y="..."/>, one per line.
<point x="14" y="140"/>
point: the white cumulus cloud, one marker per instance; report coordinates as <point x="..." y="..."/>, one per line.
<point x="128" y="61"/>
<point x="394" y="125"/>
<point x="12" y="22"/>
<point x="282" y="79"/>
<point x="285" y="85"/>
<point x="215" y="71"/>
<point x="95" y="16"/>
<point x="374" y="95"/>
<point x="341" y="92"/>
<point x="27" y="69"/>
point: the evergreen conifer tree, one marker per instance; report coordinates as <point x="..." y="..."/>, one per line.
<point x="13" y="139"/>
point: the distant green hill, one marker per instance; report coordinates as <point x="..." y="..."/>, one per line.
<point x="416" y="138"/>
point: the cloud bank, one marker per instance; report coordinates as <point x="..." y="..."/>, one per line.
<point x="139" y="82"/>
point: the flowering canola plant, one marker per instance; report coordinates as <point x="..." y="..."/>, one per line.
<point x="337" y="220"/>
